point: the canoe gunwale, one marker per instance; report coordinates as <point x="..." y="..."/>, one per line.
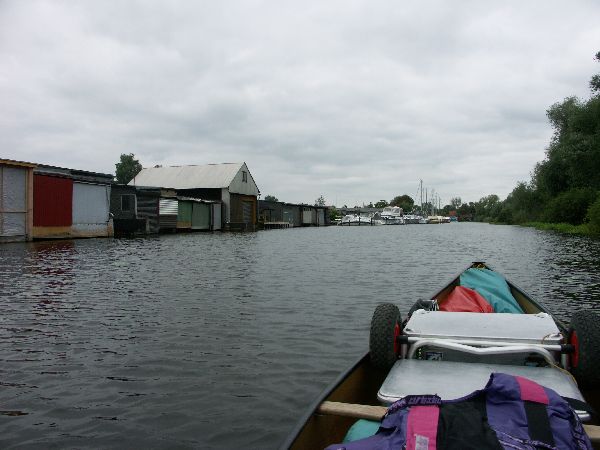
<point x="326" y="393"/>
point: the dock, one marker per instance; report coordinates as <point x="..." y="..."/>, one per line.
<point x="275" y="225"/>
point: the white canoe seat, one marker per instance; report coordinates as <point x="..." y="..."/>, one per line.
<point x="498" y="327"/>
<point x="451" y="380"/>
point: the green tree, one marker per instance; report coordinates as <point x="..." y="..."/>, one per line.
<point x="127" y="168"/>
<point x="487" y="208"/>
<point x="320" y="201"/>
<point x="524" y="203"/>
<point x="403" y="201"/>
<point x="466" y="211"/>
<point x="595" y="81"/>
<point x="381" y="204"/>
<point x="333" y="213"/>
<point x="455" y="202"/>
<point x="570" y="207"/>
<point x="271" y="198"/>
<point x="573" y="155"/>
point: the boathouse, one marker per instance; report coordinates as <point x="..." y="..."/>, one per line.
<point x="270" y="211"/>
<point x="229" y="183"/>
<point x="295" y="215"/>
<point x="292" y="214"/>
<point x="16" y="201"/>
<point x="316" y="216"/>
<point x="69" y="203"/>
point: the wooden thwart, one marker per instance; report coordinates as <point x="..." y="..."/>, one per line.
<point x="371" y="412"/>
<point x="354" y="410"/>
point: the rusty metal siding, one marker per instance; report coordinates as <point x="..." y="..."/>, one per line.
<point x="52" y="201"/>
<point x="243" y="209"/>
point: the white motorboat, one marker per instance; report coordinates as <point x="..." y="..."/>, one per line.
<point x="392" y="215"/>
<point x="358" y="219"/>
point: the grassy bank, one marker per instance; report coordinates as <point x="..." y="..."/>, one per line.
<point x="567" y="228"/>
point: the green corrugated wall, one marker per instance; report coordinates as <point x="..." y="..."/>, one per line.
<point x="201" y="216"/>
<point x="184" y="214"/>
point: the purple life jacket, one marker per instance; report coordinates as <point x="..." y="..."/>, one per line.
<point x="510" y="413"/>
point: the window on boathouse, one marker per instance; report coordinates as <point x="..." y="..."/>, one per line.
<point x="127" y="202"/>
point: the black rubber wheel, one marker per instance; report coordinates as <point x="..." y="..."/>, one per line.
<point x="584" y="335"/>
<point x="385" y="328"/>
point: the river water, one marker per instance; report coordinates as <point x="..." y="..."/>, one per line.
<point x="223" y="340"/>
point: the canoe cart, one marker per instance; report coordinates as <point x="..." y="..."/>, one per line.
<point x="449" y="345"/>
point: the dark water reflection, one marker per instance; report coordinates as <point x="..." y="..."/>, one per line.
<point x="222" y="340"/>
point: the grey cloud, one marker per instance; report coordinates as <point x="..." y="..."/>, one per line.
<point x="353" y="100"/>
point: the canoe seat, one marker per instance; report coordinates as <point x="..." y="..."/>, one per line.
<point x="500" y="327"/>
<point x="452" y="380"/>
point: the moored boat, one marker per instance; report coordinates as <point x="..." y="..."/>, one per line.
<point x="392" y="215"/>
<point x="358" y="219"/>
<point x="478" y="324"/>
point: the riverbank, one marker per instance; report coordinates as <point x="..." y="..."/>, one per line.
<point x="566" y="228"/>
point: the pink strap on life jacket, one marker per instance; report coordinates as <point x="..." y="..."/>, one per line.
<point x="531" y="391"/>
<point x="421" y="428"/>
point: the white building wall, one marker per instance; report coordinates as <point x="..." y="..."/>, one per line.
<point x="13" y="201"/>
<point x="91" y="208"/>
<point x="239" y="186"/>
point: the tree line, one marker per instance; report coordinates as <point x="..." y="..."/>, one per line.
<point x="565" y="186"/>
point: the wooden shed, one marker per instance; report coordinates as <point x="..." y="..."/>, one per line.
<point x="229" y="183"/>
<point x="270" y="211"/>
<point x="124" y="209"/>
<point x="16" y="201"/>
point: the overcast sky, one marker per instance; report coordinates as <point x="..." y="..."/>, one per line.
<point x="356" y="101"/>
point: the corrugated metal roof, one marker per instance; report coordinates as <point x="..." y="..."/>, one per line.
<point x="12" y="162"/>
<point x="188" y="177"/>
<point x="76" y="174"/>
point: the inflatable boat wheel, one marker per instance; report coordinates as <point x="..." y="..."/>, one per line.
<point x="385" y="328"/>
<point x="584" y="335"/>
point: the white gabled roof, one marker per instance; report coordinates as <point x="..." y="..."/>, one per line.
<point x="209" y="176"/>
